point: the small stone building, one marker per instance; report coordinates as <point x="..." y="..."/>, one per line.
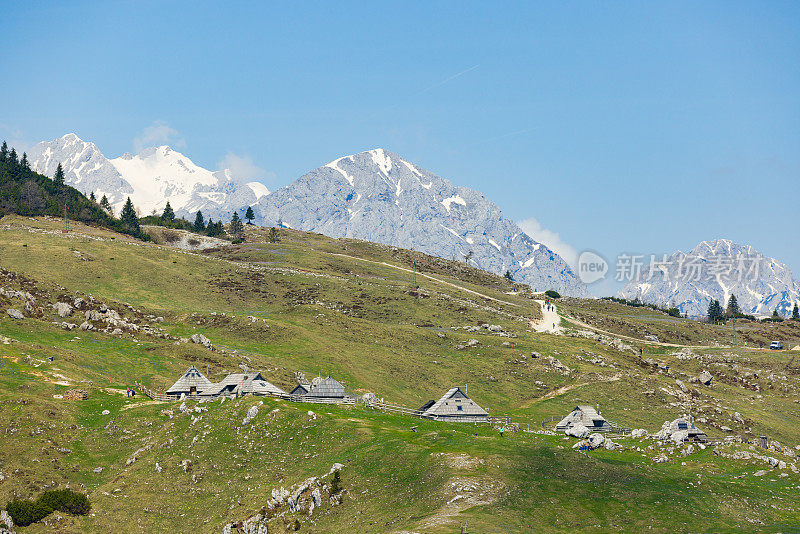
<point x="586" y="416"/>
<point x="191" y="383"/>
<point x="455" y="406"/>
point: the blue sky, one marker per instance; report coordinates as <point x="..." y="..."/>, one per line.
<point x="636" y="127"/>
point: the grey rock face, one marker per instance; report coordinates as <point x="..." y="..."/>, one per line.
<point x="151" y="178"/>
<point x="716" y="270"/>
<point x="14" y="313"/>
<point x="378" y="196"/>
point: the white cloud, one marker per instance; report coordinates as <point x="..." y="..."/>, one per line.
<point x="244" y="169"/>
<point x="157" y="134"/>
<point x="550" y="239"/>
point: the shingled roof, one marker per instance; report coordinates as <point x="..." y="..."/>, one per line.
<point x="457" y="405"/>
<point x="243" y="383"/>
<point x="192" y="378"/>
<point x="587" y="416"/>
<point x="327" y="388"/>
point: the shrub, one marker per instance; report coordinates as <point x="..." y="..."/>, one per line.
<point x="24" y="513"/>
<point x="674" y="312"/>
<point x="170" y="236"/>
<point x="552" y="294"/>
<point x="66" y="501"/>
<point x="336" y="483"/>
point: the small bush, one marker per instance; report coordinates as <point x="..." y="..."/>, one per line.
<point x="24" y="513"/>
<point x="674" y="312"/>
<point x="170" y="236"/>
<point x="336" y="483"/>
<point x="552" y="294"/>
<point x="66" y="501"/>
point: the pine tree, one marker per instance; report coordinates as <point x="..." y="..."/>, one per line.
<point x="4" y="152"/>
<point x="129" y="219"/>
<point x="105" y="204"/>
<point x="249" y="215"/>
<point x="237" y="228"/>
<point x="168" y="216"/>
<point x="776" y="316"/>
<point x="733" y="309"/>
<point x="714" y="311"/>
<point x="24" y="162"/>
<point x="508" y="276"/>
<point x="58" y="178"/>
<point x="12" y="157"/>
<point x="92" y="197"/>
<point x="199" y="223"/>
<point x="273" y="235"/>
<point x="795" y="312"/>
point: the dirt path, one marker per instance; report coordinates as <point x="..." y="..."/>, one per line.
<point x="550" y="321"/>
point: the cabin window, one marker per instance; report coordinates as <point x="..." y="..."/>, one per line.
<point x="459" y="408"/>
<point x="682" y="425"/>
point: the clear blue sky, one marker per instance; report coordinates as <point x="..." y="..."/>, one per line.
<point x="621" y="126"/>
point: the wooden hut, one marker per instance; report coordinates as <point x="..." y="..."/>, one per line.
<point x="586" y="416"/>
<point x="243" y="384"/>
<point x="456" y="406"/>
<point x="300" y="389"/>
<point x="327" y="388"/>
<point x="191" y="383"/>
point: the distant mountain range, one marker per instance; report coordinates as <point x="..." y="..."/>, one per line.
<point x="716" y="270"/>
<point x="150" y="178"/>
<point x="380" y="197"/>
<point x="376" y="196"/>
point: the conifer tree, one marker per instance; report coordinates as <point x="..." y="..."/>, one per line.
<point x="12" y="157"/>
<point x="24" y="162"/>
<point x="273" y="235"/>
<point x="168" y="216"/>
<point x="249" y="215"/>
<point x="4" y="152"/>
<point x="58" y="178"/>
<point x="237" y="228"/>
<point x="199" y="223"/>
<point x="795" y="312"/>
<point x="776" y="316"/>
<point x="714" y="311"/>
<point x="92" y="197"/>
<point x="105" y="204"/>
<point x="733" y="309"/>
<point x="129" y="219"/>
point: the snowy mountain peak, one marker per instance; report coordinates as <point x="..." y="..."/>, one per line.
<point x="379" y="196"/>
<point x="717" y="269"/>
<point x="151" y="178"/>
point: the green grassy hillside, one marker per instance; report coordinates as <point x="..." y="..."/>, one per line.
<point x="353" y="310"/>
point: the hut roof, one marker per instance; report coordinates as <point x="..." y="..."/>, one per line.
<point x="585" y="415"/>
<point x="192" y="378"/>
<point x="327" y="387"/>
<point x="243" y="383"/>
<point x="455" y="403"/>
<point x="300" y="389"/>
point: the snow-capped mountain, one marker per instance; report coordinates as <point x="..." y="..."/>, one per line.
<point x="378" y="196"/>
<point x="151" y="178"/>
<point x="716" y="270"/>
